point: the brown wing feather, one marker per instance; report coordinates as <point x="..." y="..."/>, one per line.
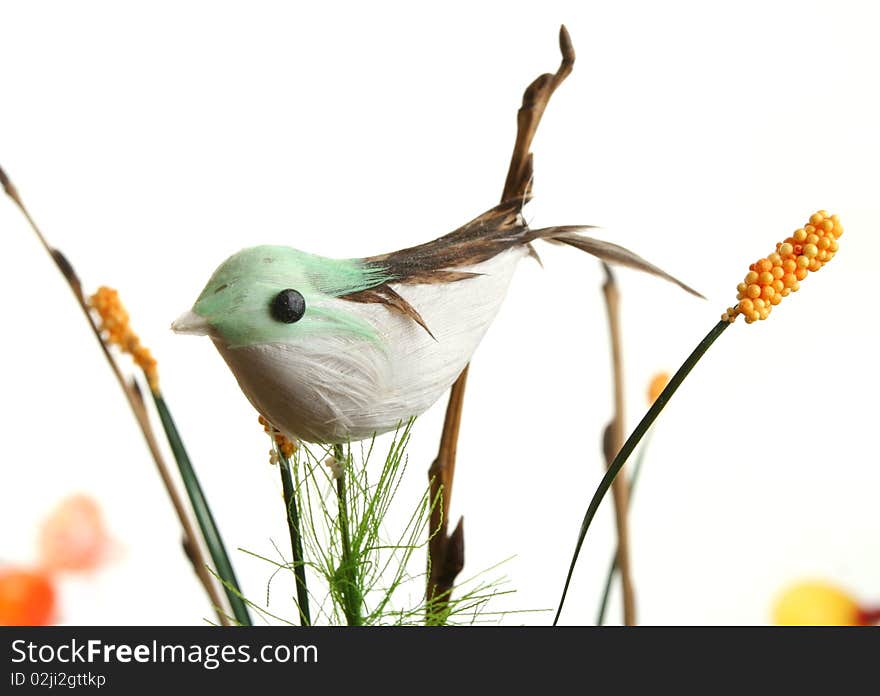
<point x="385" y="295"/>
<point x="437" y="261"/>
<point x="479" y="240"/>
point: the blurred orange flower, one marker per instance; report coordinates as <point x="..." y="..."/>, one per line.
<point x="27" y="598"/>
<point x="73" y="537"/>
<point x="657" y="385"/>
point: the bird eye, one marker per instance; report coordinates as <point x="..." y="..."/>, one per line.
<point x="288" y="306"/>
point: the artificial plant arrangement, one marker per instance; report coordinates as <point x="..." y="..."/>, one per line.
<point x="332" y="352"/>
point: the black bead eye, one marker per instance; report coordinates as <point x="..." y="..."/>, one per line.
<point x="288" y="306"/>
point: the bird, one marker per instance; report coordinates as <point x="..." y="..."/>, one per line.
<point x="333" y="351"/>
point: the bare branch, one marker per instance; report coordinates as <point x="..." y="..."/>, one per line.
<point x="535" y="100"/>
<point x="613" y="441"/>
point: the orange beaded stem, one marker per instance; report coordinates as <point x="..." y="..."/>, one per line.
<point x="115" y="327"/>
<point x="767" y="282"/>
<point x="778" y="275"/>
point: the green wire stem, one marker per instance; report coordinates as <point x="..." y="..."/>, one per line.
<point x="630" y="445"/>
<point x="293" y="524"/>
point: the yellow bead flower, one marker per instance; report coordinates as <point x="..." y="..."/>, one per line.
<point x="778" y="275"/>
<point x="815" y="603"/>
<point x="114" y="325"/>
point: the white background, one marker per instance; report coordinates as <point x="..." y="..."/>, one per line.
<point x="152" y="140"/>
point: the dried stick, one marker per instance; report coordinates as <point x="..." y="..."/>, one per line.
<point x="446" y="552"/>
<point x="612" y="567"/>
<point x="191" y="546"/>
<point x="535" y="99"/>
<point x="613" y="441"/>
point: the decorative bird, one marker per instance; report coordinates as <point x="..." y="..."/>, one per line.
<point x="338" y="350"/>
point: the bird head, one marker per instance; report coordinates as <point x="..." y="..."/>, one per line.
<point x="273" y="294"/>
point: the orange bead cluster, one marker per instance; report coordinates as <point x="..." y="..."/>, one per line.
<point x="287" y="447"/>
<point x="779" y="274"/>
<point x="116" y="329"/>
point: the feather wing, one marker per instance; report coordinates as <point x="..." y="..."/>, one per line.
<point x="477" y="241"/>
<point x="445" y="259"/>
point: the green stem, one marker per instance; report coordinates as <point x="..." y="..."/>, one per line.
<point x="612" y="568"/>
<point x="210" y="533"/>
<point x="299" y="568"/>
<point x="351" y="603"/>
<point x="630" y="445"/>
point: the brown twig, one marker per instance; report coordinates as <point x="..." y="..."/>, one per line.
<point x="191" y="546"/>
<point x="535" y="99"/>
<point x="446" y="552"/>
<point x="613" y="441"/>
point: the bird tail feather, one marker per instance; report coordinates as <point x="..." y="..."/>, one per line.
<point x="606" y="251"/>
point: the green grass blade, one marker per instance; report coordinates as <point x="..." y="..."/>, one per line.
<point x="211" y="534"/>
<point x="630" y="445"/>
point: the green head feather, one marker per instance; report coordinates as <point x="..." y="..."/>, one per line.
<point x="237" y="299"/>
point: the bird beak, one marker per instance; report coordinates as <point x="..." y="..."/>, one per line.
<point x="191" y="323"/>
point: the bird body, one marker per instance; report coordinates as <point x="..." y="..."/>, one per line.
<point x="349" y="385"/>
<point x="340" y="350"/>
